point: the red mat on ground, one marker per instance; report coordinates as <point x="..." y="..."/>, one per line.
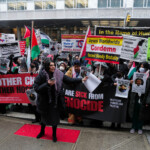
<point x="63" y="135"/>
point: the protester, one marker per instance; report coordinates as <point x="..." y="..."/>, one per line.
<point x="33" y="69"/>
<point x="48" y="84"/>
<point x="63" y="66"/>
<point x="74" y="72"/>
<point x="136" y="100"/>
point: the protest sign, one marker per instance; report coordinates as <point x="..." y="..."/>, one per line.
<point x="148" y="50"/>
<point x="22" y="45"/>
<point x="38" y="37"/>
<point x="4" y="64"/>
<point x="139" y="82"/>
<point x="23" y="65"/>
<point x="53" y="48"/>
<point x="6" y="49"/>
<point x="134" y="48"/>
<point x="32" y="96"/>
<point x="14" y="86"/>
<point x="92" y="82"/>
<point x="119" y="31"/>
<point x="2" y="38"/>
<point x="10" y="38"/>
<point x="100" y="105"/>
<point x="122" y="88"/>
<point x="72" y="42"/>
<point x="103" y="49"/>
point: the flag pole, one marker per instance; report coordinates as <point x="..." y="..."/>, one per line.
<point x="32" y="33"/>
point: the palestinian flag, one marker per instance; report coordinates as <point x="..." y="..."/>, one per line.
<point x="131" y="71"/>
<point x="83" y="50"/>
<point x="35" y="48"/>
<point x="27" y="36"/>
<point x="45" y="39"/>
<point x="136" y="51"/>
<point x="14" y="67"/>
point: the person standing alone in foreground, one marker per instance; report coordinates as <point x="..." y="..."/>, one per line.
<point x="48" y="85"/>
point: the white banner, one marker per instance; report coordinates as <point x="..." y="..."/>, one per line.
<point x="6" y="49"/>
<point x="10" y="38"/>
<point x="134" y="48"/>
<point x="122" y="88"/>
<point x="139" y="82"/>
<point x="72" y="43"/>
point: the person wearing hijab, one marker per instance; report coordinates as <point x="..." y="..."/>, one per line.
<point x="48" y="85"/>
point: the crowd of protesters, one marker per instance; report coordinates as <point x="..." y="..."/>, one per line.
<point x="72" y="66"/>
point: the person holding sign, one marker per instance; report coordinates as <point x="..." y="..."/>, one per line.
<point x="136" y="97"/>
<point x="48" y="85"/>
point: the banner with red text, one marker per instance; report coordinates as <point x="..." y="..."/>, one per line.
<point x="13" y="87"/>
<point x="72" y="42"/>
<point x="104" y="48"/>
<point x="22" y="45"/>
<point x="100" y="104"/>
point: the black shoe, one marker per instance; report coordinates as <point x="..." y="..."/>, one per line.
<point x="54" y="139"/>
<point x="40" y="135"/>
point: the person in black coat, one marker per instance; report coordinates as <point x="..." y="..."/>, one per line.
<point x="48" y="85"/>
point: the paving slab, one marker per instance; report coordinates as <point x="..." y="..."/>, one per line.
<point x="89" y="138"/>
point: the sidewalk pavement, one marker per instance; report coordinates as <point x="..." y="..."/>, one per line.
<point x="89" y="138"/>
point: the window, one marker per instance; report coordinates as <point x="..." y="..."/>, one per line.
<point x="148" y="3"/>
<point x="115" y="3"/>
<point x="21" y="6"/>
<point x="11" y="6"/>
<point x="102" y="3"/>
<point x="2" y="1"/>
<point x="81" y="3"/>
<point x="138" y="3"/>
<point x="38" y="5"/>
<point x="69" y="3"/>
<point x="49" y="4"/>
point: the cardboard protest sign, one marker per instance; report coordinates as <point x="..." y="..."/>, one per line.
<point x="6" y="49"/>
<point x="103" y="49"/>
<point x="139" y="82"/>
<point x="4" y="64"/>
<point x="134" y="48"/>
<point x="72" y="42"/>
<point x="122" y="88"/>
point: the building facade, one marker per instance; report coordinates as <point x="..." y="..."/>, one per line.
<point x="56" y="17"/>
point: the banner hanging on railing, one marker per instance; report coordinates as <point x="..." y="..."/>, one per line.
<point x="100" y="105"/>
<point x="13" y="87"/>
